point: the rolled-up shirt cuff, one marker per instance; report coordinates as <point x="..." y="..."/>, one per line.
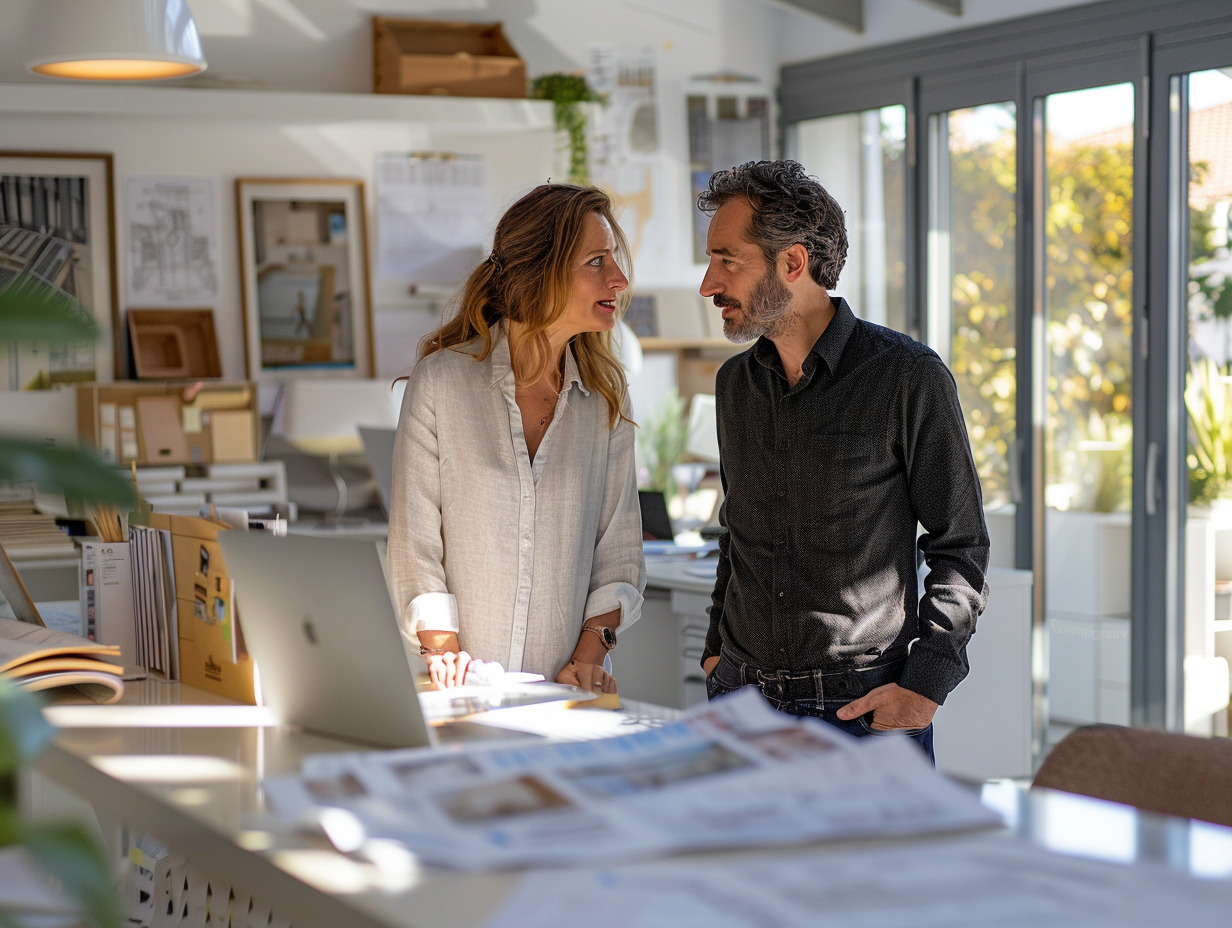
<point x="623" y="596"/>
<point x="432" y="612"/>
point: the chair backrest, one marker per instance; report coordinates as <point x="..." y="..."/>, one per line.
<point x="1156" y="771"/>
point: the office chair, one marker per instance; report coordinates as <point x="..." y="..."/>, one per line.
<point x="1156" y="771"/>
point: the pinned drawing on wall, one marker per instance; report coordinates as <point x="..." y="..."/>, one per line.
<point x="57" y="228"/>
<point x="304" y="274"/>
<point x="432" y="220"/>
<point x="172" y="225"/>
<point x="626" y="157"/>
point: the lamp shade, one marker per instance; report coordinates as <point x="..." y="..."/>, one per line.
<point x="115" y="40"/>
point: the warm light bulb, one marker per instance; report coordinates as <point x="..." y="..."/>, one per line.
<point x="124" y="69"/>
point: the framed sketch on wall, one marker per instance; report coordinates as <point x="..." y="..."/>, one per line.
<point x="304" y="273"/>
<point x="57" y="230"/>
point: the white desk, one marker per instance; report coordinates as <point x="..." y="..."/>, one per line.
<point x="192" y="777"/>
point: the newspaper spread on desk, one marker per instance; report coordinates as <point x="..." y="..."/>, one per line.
<point x="732" y="773"/>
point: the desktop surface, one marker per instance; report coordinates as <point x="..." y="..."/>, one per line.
<point x="192" y="777"/>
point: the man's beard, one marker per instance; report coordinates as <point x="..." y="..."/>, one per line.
<point x="765" y="312"/>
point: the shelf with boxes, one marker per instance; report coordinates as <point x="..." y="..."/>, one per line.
<point x="193" y="443"/>
<point x="176" y="423"/>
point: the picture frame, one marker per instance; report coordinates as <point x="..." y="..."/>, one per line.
<point x="305" y="277"/>
<point x="57" y="224"/>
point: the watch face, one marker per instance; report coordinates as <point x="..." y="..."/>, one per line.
<point x="609" y="637"/>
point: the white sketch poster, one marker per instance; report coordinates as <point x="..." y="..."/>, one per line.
<point x="172" y="226"/>
<point x="626" y="157"/>
<point x="432" y="216"/>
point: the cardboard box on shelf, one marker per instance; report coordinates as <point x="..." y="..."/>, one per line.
<point x="457" y="59"/>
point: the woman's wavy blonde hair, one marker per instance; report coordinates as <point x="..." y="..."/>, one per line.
<point x="528" y="279"/>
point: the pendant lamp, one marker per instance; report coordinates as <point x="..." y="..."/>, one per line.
<point x="115" y="40"/>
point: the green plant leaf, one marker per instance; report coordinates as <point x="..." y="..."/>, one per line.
<point x="30" y="312"/>
<point x="78" y="863"/>
<point x="76" y="472"/>
<point x="23" y="730"/>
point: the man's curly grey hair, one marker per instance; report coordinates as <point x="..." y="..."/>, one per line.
<point x="788" y="207"/>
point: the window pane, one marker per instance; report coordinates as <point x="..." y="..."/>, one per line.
<point x="1209" y="378"/>
<point x="860" y="159"/>
<point x="1087" y="284"/>
<point x="978" y="231"/>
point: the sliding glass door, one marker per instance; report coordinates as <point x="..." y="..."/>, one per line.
<point x="861" y="160"/>
<point x="1083" y="284"/>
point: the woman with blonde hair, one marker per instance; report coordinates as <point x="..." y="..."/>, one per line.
<point x="515" y="531"/>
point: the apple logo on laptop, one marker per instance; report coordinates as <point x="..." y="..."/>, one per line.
<point x="310" y="632"/>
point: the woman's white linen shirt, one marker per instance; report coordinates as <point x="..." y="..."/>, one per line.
<point x="512" y="556"/>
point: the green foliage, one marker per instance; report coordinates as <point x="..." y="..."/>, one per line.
<point x="982" y="350"/>
<point x="661" y="439"/>
<point x="34" y="313"/>
<point x="31" y="312"/>
<point x="1208" y="400"/>
<point x="67" y="852"/>
<point x="567" y="92"/>
<point x="1088" y="289"/>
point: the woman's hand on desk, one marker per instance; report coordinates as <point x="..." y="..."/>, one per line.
<point x="448" y="669"/>
<point x="446" y="660"/>
<point x="590" y="677"/>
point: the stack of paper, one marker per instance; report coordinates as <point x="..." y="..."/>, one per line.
<point x="154" y="610"/>
<point x="733" y="773"/>
<point x="27" y="533"/>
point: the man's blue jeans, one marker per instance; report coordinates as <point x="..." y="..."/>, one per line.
<point x="816" y="694"/>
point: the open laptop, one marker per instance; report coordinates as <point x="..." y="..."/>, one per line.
<point x="318" y="621"/>
<point x="379" y="450"/>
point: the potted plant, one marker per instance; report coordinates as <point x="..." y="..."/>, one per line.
<point x="568" y="92"/>
<point x="1208" y="400"/>
<point x="661" y="440"/>
<point x="67" y="853"/>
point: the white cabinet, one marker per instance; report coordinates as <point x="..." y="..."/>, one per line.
<point x="1088" y="669"/>
<point x="1208" y="619"/>
<point x="659" y="659"/>
<point x="986" y="727"/>
<point x="1087" y="608"/>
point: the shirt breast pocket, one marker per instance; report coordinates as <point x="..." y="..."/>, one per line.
<point x="841" y="471"/>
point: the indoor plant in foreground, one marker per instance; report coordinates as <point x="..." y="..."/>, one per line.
<point x="66" y="853"/>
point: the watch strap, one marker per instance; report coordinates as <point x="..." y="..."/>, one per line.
<point x="606" y="635"/>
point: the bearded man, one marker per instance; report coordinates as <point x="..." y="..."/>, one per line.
<point x="839" y="439"/>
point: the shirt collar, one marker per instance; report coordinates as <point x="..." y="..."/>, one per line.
<point x="828" y="347"/>
<point x="502" y="364"/>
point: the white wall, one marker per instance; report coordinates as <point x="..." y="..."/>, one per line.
<point x="226" y="150"/>
<point x="325" y="45"/>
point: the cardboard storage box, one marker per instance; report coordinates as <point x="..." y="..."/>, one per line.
<point x="450" y="58"/>
<point x="212" y="652"/>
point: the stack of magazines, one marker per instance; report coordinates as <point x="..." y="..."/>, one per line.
<point x="35" y="657"/>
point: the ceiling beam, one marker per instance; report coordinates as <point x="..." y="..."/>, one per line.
<point x="847" y="13"/>
<point x="953" y="7"/>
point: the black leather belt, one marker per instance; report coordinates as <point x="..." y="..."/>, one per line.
<point x="849" y="683"/>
